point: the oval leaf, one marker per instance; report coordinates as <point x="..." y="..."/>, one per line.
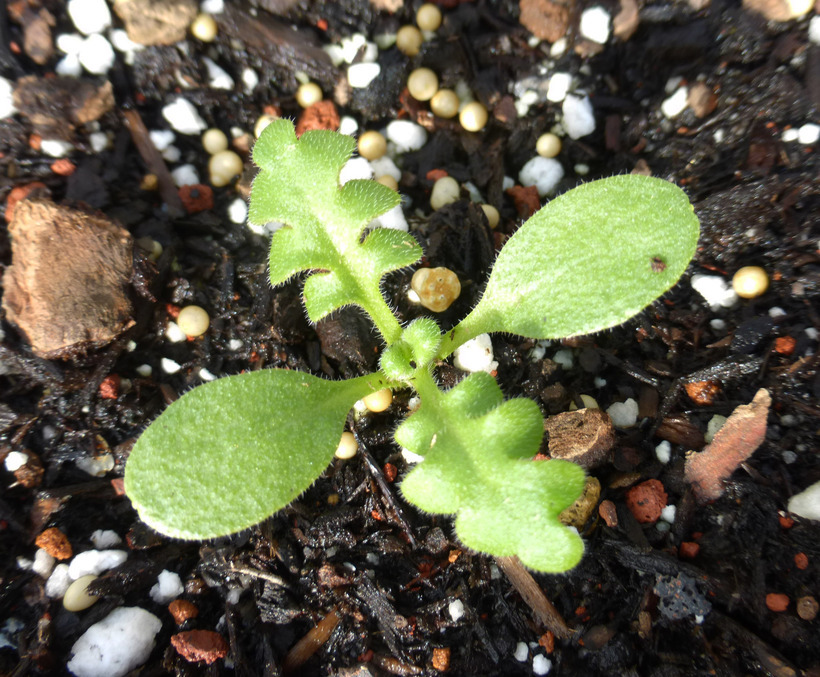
<point x="588" y="260"/>
<point x="230" y="453"/>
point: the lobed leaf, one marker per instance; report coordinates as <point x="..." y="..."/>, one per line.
<point x="298" y="185"/>
<point x="477" y="464"/>
<point x="588" y="260"/>
<point x="230" y="453"/>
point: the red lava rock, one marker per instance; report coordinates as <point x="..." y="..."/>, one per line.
<point x="786" y="522"/>
<point x="67" y="286"/>
<point x="702" y="393"/>
<point x="545" y="19"/>
<point x="436" y="174"/>
<point x="608" y="513"/>
<point x="196" y="198"/>
<point x="526" y="200"/>
<point x="110" y="387"/>
<point x="321" y="115"/>
<point x="777" y="602"/>
<point x="182" y="610"/>
<point x="547" y="640"/>
<point x="646" y="500"/>
<point x="200" y="645"/>
<point x="801" y="561"/>
<point x="55" y="543"/>
<point x="390" y="472"/>
<point x="784" y="345"/>
<point x="118" y="485"/>
<point x="63" y="167"/>
<point x="29" y="190"/>
<point x="739" y="437"/>
<point x="688" y="550"/>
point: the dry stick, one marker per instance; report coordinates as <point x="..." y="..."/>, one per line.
<point x="153" y="160"/>
<point x="532" y="594"/>
<point x="308" y="645"/>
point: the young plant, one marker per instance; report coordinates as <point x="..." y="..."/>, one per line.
<point x="231" y="452"/>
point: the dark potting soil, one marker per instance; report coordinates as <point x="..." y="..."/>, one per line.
<point x="408" y="598"/>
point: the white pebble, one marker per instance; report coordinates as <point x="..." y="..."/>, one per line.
<point x="116" y="645"/>
<point x="96" y="55"/>
<point x="718" y="324"/>
<point x="43" y="563"/>
<point x="663" y="452"/>
<point x="595" y="24"/>
<point x="668" y="514"/>
<point x="716" y="291"/>
<point x="122" y="43"/>
<point x="776" y="312"/>
<point x="236" y="344"/>
<point x="95" y="562"/>
<point x="564" y="357"/>
<point x="545" y="173"/>
<point x="70" y="43"/>
<point x="445" y="191"/>
<point x="183" y="117"/>
<point x="205" y="375"/>
<point x="541" y="665"/>
<point x="56" y="147"/>
<point x="384" y="166"/>
<point x="89" y="16"/>
<point x="579" y="116"/>
<point x="174" y="334"/>
<point x="185" y="175"/>
<point x="806" y="503"/>
<point x="475" y="355"/>
<point x="360" y="75"/>
<point x="15" y="460"/>
<point x="7" y="108"/>
<point x="169" y="366"/>
<point x="168" y="586"/>
<point x="105" y="538"/>
<point x="522" y="652"/>
<point x="161" y="138"/>
<point x="69" y="66"/>
<point x="355" y="168"/>
<point x="218" y="78"/>
<point x="58" y="582"/>
<point x="212" y="6"/>
<point x="144" y="370"/>
<point x="98" y="141"/>
<point x="456" y="609"/>
<point x="406" y="135"/>
<point x="250" y="79"/>
<point x="96" y="466"/>
<point x="789" y="135"/>
<point x="675" y="104"/>
<point x="789" y="457"/>
<point x="814" y="30"/>
<point x="558" y="87"/>
<point x="410" y="457"/>
<point x="348" y="126"/>
<point x="624" y="414"/>
<point x="393" y="219"/>
<point x="808" y="134"/>
<point x="238" y="211"/>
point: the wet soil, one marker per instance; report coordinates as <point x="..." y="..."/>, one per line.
<point x="405" y="595"/>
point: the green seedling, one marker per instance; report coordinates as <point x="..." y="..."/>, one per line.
<point x="230" y="453"/>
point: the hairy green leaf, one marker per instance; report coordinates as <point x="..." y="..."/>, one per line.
<point x="477" y="464"/>
<point x="230" y="453"/>
<point x="298" y="185"/>
<point x="589" y="259"/>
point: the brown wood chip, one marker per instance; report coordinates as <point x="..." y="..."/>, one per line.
<point x="584" y="436"/>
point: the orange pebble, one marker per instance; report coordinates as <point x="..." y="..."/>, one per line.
<point x="801" y="561"/>
<point x="784" y="345"/>
<point x="182" y="610"/>
<point x="196" y="198"/>
<point x="688" y="550"/>
<point x="777" y="601"/>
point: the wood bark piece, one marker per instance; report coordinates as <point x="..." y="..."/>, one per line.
<point x="156" y="22"/>
<point x="740" y="436"/>
<point x="584" y="436"/>
<point x="67" y="286"/>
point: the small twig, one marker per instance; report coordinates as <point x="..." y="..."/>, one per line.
<point x="153" y="160"/>
<point x="389" y="501"/>
<point x="256" y="573"/>
<point x="532" y="594"/>
<point x="310" y="643"/>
